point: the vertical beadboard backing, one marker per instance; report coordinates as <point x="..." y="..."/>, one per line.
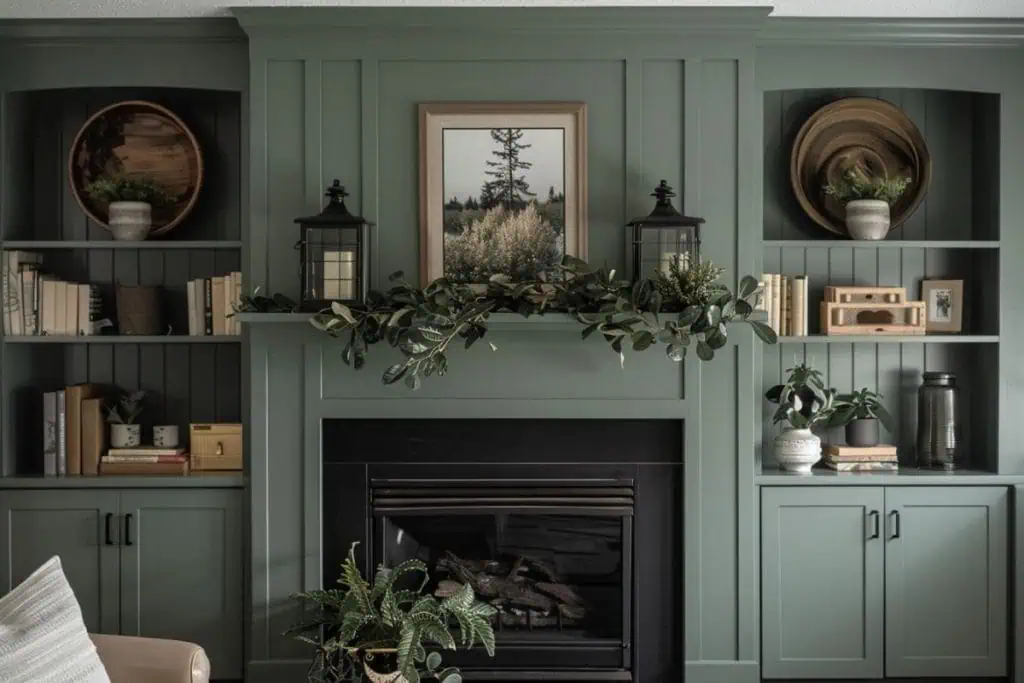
<point x="894" y="370"/>
<point x="961" y="131"/>
<point x="51" y="120"/>
<point x="184" y="383"/>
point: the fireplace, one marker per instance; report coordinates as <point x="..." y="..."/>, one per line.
<point x="572" y="529"/>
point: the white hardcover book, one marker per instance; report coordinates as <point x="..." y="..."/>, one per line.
<point x="237" y="299"/>
<point x="806" y="289"/>
<point x="27" y="300"/>
<point x="10" y="283"/>
<point x="190" y="293"/>
<point x="84" y="294"/>
<point x="47" y="305"/>
<point x="71" y="309"/>
<point x="60" y="313"/>
<point x="777" y="294"/>
<point x="767" y="279"/>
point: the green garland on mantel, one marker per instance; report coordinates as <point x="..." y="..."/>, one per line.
<point x="671" y="310"/>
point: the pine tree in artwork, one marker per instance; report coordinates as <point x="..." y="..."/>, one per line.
<point x="551" y="194"/>
<point x="488" y="200"/>
<point x="508" y="187"/>
<point x="471" y="204"/>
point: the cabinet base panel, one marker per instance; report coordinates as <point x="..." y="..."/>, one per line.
<point x="884" y="680"/>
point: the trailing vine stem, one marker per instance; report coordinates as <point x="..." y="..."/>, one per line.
<point x="423" y="323"/>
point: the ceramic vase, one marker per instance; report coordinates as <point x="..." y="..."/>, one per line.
<point x="376" y="676"/>
<point x="867" y="219"/>
<point x="125" y="436"/>
<point x="862" y="433"/>
<point x="130" y="221"/>
<point x="796" y="450"/>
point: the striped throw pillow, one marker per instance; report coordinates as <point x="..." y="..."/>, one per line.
<point x="42" y="635"/>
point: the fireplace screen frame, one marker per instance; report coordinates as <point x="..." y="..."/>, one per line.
<point x="606" y="498"/>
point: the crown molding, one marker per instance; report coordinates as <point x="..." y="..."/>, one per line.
<point x="505" y="19"/>
<point x="894" y="32"/>
<point x="69" y="30"/>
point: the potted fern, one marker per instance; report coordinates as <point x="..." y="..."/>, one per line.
<point x="860" y="412"/>
<point x="803" y="402"/>
<point x="130" y="203"/>
<point x="385" y="633"/>
<point x="868" y="201"/>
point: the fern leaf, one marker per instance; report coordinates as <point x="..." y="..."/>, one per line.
<point x="406" y="646"/>
<point x="390" y="614"/>
<point x="381" y="582"/>
<point x="406" y="597"/>
<point x="482" y="629"/>
<point x="409" y="566"/>
<point x="461" y="601"/>
<point x="426" y="604"/>
<point x="465" y="627"/>
<point x="439" y="633"/>
<point x="351" y="625"/>
<point x="419" y="652"/>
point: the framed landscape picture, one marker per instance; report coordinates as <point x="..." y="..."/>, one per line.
<point x="503" y="188"/>
<point x="944" y="305"/>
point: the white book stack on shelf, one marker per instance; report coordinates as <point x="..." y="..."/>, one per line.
<point x="786" y="300"/>
<point x="211" y="305"/>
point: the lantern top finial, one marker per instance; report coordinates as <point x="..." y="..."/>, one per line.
<point x="664" y="214"/>
<point x="335" y="214"/>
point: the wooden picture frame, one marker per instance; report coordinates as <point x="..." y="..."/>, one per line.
<point x="436" y="119"/>
<point x="944" y="304"/>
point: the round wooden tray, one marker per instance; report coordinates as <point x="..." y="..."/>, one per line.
<point x="862" y="133"/>
<point x="137" y="139"/>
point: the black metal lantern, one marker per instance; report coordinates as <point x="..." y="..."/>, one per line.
<point x="664" y="236"/>
<point x="334" y="250"/>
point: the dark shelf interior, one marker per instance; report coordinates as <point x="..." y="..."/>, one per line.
<point x="961" y="130"/>
<point x="42" y="126"/>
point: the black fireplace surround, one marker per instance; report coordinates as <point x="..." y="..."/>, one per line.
<point x="572" y="529"/>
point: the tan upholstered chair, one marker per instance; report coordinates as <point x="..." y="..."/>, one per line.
<point x="152" y="660"/>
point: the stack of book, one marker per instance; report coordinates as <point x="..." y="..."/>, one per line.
<point x="880" y="458"/>
<point x="211" y="303"/>
<point x="144" y="460"/>
<point x="39" y="304"/>
<point x="785" y="299"/>
<point x="74" y="430"/>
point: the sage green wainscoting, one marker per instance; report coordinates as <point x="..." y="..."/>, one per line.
<point x="670" y="95"/>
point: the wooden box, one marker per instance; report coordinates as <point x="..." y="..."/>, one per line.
<point x="866" y="295"/>
<point x="872" y="319"/>
<point x="216" y="446"/>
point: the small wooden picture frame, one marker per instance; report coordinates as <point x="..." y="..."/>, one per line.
<point x="944" y="305"/>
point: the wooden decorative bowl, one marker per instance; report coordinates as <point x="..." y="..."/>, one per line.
<point x="862" y="133"/>
<point x="138" y="139"/>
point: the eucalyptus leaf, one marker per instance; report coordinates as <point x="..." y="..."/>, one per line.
<point x="764" y="332"/>
<point x="342" y="310"/>
<point x="748" y="285"/>
<point x="394" y="373"/>
<point x="689" y="316"/>
<point x="676" y="352"/>
<point x="412" y="380"/>
<point x="704" y="351"/>
<point x="642" y="339"/>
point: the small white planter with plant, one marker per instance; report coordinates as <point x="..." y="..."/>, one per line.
<point x="868" y="202"/>
<point x="130" y="203"/>
<point x="124" y="433"/>
<point x="803" y="402"/>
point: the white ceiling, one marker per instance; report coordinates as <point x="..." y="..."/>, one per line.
<point x="86" y="9"/>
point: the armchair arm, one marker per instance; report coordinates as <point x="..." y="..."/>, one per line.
<point x="151" y="660"/>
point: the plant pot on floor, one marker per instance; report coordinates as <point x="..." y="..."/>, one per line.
<point x="125" y="436"/>
<point x="130" y="221"/>
<point x="862" y="433"/>
<point x="867" y="219"/>
<point x="797" y="450"/>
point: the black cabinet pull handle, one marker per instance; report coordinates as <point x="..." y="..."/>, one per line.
<point x="128" y="529"/>
<point x="108" y="540"/>
<point x="875" y="532"/>
<point x="895" y="515"/>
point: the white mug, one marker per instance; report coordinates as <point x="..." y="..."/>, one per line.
<point x="165" y="436"/>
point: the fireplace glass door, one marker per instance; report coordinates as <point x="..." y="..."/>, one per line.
<point x="553" y="558"/>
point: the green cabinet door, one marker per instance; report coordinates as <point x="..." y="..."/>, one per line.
<point x="36" y="525"/>
<point x="822" y="572"/>
<point x="181" y="570"/>
<point x="946" y="581"/>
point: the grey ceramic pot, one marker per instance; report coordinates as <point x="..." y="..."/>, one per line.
<point x="862" y="432"/>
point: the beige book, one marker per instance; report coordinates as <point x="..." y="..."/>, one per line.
<point x="84" y="293"/>
<point x="799" y="306"/>
<point x="48" y="306"/>
<point x="60" y="309"/>
<point x="784" y="326"/>
<point x="94" y="435"/>
<point x="217" y="305"/>
<point x="777" y="302"/>
<point x="73" y="397"/>
<point x="237" y="299"/>
<point x="227" y="292"/>
<point x="862" y="452"/>
<point x="71" y="309"/>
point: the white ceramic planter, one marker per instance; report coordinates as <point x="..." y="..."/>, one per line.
<point x="867" y="219"/>
<point x="796" y="450"/>
<point x="130" y="221"/>
<point x="125" y="436"/>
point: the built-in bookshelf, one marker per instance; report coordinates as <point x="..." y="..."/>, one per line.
<point x="188" y="378"/>
<point x="954" y="234"/>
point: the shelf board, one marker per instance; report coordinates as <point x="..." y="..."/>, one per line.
<point x="893" y="339"/>
<point x="883" y="244"/>
<point x="124" y="339"/>
<point x="116" y="244"/>
<point x="905" y="475"/>
<point x="193" y="481"/>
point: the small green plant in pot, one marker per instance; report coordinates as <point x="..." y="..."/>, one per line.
<point x="803" y="401"/>
<point x="385" y="632"/>
<point x="130" y="203"/>
<point x="860" y="412"/>
<point x="124" y="433"/>
<point x="868" y="201"/>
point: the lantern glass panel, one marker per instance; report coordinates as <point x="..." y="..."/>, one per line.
<point x="659" y="246"/>
<point x="332" y="263"/>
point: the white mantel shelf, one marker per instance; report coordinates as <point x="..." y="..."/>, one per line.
<point x="497" y="321"/>
<point x="906" y="476"/>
